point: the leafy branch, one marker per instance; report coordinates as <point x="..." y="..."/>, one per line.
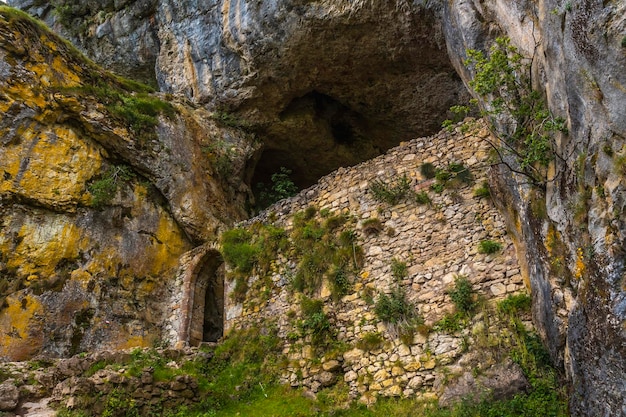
<point x="515" y="112"/>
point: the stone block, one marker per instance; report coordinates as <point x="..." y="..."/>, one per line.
<point x="9" y="396"/>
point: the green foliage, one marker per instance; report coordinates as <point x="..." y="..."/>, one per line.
<point x="327" y="249"/>
<point x="454" y="175"/>
<point x="119" y="404"/>
<point x="390" y="192"/>
<point x="483" y="191"/>
<point x="399" y="269"/>
<point x="458" y="114"/>
<point x="241" y="378"/>
<point x="282" y="187"/>
<point x="395" y="308"/>
<point x="515" y="304"/>
<point x="428" y="170"/>
<point x="422" y="197"/>
<point x="489" y="246"/>
<point x="451" y="322"/>
<point x="502" y="80"/>
<point x="238" y="250"/>
<point x="128" y="101"/>
<point x="437" y="187"/>
<point x="245" y="250"/>
<point x="462" y="295"/>
<point x="339" y="283"/>
<point x="370" y="341"/>
<point x="315" y="322"/>
<point x="624" y="42"/>
<point x="104" y="189"/>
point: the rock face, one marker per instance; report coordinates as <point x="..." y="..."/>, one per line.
<point x="323" y="84"/>
<point x="9" y="396"/>
<point x="575" y="253"/>
<point x="96" y="208"/>
<point x="326" y="78"/>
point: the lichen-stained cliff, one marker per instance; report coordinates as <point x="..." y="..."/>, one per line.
<point x="326" y="84"/>
<point x="313" y="76"/>
<point x="103" y="186"/>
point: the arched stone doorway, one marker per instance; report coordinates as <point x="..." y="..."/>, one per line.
<point x="206" y="300"/>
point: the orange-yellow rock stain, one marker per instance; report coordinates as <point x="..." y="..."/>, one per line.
<point x="20" y="329"/>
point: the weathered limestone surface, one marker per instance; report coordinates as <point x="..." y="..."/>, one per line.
<point x="73" y="276"/>
<point x="578" y="60"/>
<point x="324" y="84"/>
<point x="297" y="67"/>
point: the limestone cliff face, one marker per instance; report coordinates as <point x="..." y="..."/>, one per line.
<point x="578" y="59"/>
<point x="327" y="83"/>
<point x="338" y="82"/>
<point x="95" y="210"/>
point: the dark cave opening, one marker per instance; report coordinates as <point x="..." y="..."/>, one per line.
<point x="326" y="135"/>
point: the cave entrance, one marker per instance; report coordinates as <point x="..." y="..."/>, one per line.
<point x="207" y="309"/>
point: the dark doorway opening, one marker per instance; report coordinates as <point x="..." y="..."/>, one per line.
<point x="207" y="314"/>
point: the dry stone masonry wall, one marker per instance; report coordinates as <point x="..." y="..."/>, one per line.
<point x="438" y="242"/>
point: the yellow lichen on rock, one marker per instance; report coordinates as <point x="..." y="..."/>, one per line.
<point x="20" y="334"/>
<point x="43" y="243"/>
<point x="50" y="166"/>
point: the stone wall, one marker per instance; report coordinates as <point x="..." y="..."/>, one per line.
<point x="438" y="242"/>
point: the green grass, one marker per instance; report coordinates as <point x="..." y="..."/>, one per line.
<point x="489" y="247"/>
<point x="395" y="308"/>
<point x="399" y="269"/>
<point x="483" y="191"/>
<point x="242" y="379"/>
<point x="428" y="170"/>
<point x="514" y="304"/>
<point x="128" y="101"/>
<point x="422" y="198"/>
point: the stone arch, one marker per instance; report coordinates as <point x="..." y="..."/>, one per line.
<point x="203" y="299"/>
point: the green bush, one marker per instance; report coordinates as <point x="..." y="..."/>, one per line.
<point x="339" y="283"/>
<point x="515" y="304"/>
<point x="462" y="295"/>
<point x="514" y="109"/>
<point x="489" y="247"/>
<point x="437" y="187"/>
<point x="282" y="187"/>
<point x="238" y="250"/>
<point x="428" y="170"/>
<point x="483" y="191"/>
<point x="390" y="192"/>
<point x="104" y="189"/>
<point x="399" y="270"/>
<point x="395" y="308"/>
<point x="422" y="198"/>
<point x="315" y="322"/>
<point x="451" y="323"/>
